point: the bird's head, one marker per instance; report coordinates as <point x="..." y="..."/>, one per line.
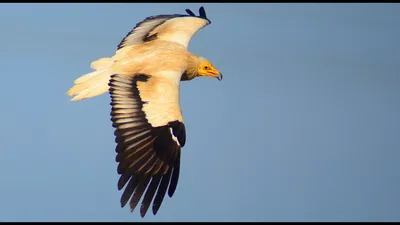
<point x="207" y="69"/>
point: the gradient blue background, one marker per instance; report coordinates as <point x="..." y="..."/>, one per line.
<point x="304" y="126"/>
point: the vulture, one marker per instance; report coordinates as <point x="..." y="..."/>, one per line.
<point x="143" y="79"/>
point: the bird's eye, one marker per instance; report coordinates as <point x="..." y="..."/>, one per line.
<point x="206" y="67"/>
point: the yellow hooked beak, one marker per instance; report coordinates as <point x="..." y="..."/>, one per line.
<point x="214" y="73"/>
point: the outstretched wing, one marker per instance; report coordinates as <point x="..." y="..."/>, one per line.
<point x="176" y="28"/>
<point x="149" y="136"/>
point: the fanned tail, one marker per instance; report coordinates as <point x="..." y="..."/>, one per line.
<point x="94" y="83"/>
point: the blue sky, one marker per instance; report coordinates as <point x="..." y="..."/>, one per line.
<point x="303" y="127"/>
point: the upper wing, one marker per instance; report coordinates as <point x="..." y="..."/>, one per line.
<point x="149" y="136"/>
<point x="176" y="28"/>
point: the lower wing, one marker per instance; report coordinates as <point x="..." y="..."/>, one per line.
<point x="149" y="134"/>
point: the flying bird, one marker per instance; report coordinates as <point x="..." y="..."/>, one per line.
<point x="143" y="79"/>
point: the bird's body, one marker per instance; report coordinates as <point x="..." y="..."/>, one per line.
<point x="146" y="58"/>
<point x="143" y="79"/>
